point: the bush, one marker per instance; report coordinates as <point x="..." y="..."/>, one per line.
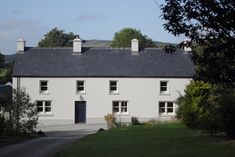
<point x="190" y="106"/>
<point x="208" y="107"/>
<point x="2" y="124"/>
<point x="41" y="133"/>
<point x="111" y="121"/>
<point x="221" y="110"/>
<point x="135" y="121"/>
<point x="23" y="115"/>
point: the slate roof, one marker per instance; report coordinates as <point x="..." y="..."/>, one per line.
<point x="102" y="62"/>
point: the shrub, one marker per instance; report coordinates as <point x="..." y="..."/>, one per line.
<point x="208" y="107"/>
<point x="2" y="124"/>
<point x="135" y="121"/>
<point x="221" y="110"/>
<point x="100" y="130"/>
<point x="190" y="106"/>
<point x="22" y="113"/>
<point x="111" y="121"/>
<point x="25" y="115"/>
<point x="41" y="133"/>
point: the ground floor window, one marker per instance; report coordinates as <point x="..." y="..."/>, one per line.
<point x="166" y="108"/>
<point x="44" y="107"/>
<point x="120" y="107"/>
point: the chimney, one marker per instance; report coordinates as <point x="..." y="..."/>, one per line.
<point x="77" y="45"/>
<point x="134" y="45"/>
<point x="20" y="46"/>
<point x="187" y="45"/>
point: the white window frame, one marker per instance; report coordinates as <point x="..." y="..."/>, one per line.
<point x="40" y="87"/>
<point x="84" y="87"/>
<point x="116" y="86"/>
<point x="167" y="87"/>
<point x="121" y="107"/>
<point x="166" y="108"/>
<point x="44" y="112"/>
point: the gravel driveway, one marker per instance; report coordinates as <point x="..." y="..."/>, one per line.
<point x="57" y="137"/>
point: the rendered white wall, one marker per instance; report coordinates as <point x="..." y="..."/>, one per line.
<point x="142" y="94"/>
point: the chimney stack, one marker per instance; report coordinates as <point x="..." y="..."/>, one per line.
<point x="134" y="45"/>
<point x="77" y="46"/>
<point x="187" y="45"/>
<point x="21" y="46"/>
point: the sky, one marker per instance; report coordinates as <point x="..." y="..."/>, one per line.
<point x="90" y="19"/>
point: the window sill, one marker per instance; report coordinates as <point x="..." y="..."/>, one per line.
<point x="114" y="93"/>
<point x="46" y="93"/>
<point x="121" y="114"/>
<point x="164" y="94"/>
<point x="80" y="93"/>
<point x="45" y="115"/>
<point x="167" y="115"/>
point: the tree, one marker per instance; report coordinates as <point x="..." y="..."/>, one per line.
<point x="57" y="38"/>
<point x="5" y="70"/>
<point x="200" y="20"/>
<point x="123" y="38"/>
<point x="211" y="27"/>
<point x="2" y="60"/>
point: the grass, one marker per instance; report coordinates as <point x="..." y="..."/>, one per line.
<point x="162" y="140"/>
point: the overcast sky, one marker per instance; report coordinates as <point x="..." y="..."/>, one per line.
<point x="91" y="19"/>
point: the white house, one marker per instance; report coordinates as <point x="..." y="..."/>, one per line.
<point x="82" y="85"/>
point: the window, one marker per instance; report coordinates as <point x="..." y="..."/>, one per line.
<point x="115" y="107"/>
<point x="123" y="107"/>
<point x="164" y="87"/>
<point x="80" y="86"/>
<point x="113" y="87"/>
<point x="44" y="107"/>
<point x="166" y="108"/>
<point x="162" y="107"/>
<point x="40" y="106"/>
<point x="43" y="86"/>
<point x="120" y="107"/>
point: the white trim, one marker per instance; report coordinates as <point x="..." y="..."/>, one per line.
<point x="117" y="87"/>
<point x="84" y="87"/>
<point x="43" y="113"/>
<point x="166" y="107"/>
<point x="167" y="92"/>
<point x="40" y="87"/>
<point x="120" y="107"/>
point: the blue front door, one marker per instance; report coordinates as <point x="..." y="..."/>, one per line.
<point x="80" y="111"/>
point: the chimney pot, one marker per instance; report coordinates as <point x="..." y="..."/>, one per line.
<point x="21" y="45"/>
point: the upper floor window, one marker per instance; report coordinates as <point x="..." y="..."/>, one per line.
<point x="113" y="86"/>
<point x="43" y="86"/>
<point x="164" y="87"/>
<point x="120" y="107"/>
<point x="80" y="86"/>
<point x="44" y="107"/>
<point x="166" y="108"/>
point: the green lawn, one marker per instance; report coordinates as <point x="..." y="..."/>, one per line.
<point x="162" y="140"/>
